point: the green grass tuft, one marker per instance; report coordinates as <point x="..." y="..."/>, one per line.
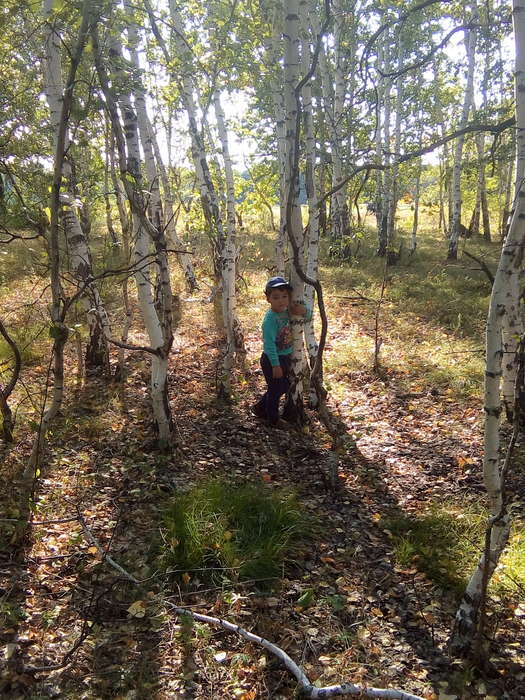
<point x="446" y="543"/>
<point x="233" y="532"/>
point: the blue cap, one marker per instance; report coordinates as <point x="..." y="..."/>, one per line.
<point x="277" y="283"/>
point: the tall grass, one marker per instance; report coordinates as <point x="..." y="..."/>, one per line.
<point x="233" y="532"/>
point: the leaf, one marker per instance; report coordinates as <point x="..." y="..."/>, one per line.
<point x="137" y="609"/>
<point x="306" y="599"/>
<point x="220" y="656"/>
<point x="10" y="650"/>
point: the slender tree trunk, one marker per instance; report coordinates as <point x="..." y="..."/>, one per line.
<point x="294" y="226"/>
<point x="394" y="193"/>
<point x="5" y="391"/>
<point x="209" y="199"/>
<point x="157" y="319"/>
<point x="272" y="14"/>
<point x="417" y="194"/>
<point x="385" y="148"/>
<point x="97" y="354"/>
<point x="59" y="330"/>
<point x="485" y="216"/>
<point x="126" y="229"/>
<point x="107" y="198"/>
<point x="506" y="206"/>
<point x="171" y="223"/>
<point x="338" y="205"/>
<point x="503" y="304"/>
<point x="458" y="154"/>
<point x="234" y="336"/>
<point x="312" y="191"/>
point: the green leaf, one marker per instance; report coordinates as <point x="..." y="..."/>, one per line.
<point x="306" y="599"/>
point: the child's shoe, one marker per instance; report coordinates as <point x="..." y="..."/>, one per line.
<point x="279" y="425"/>
<point x="258" y="409"/>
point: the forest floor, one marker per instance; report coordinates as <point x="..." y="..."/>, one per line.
<point x="75" y="627"/>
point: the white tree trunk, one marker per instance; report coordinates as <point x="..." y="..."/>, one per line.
<point x="293" y="215"/>
<point x="383" y="150"/>
<point x="234" y="337"/>
<point x="503" y="301"/>
<point x="209" y="199"/>
<point x="171" y="223"/>
<point x="458" y="152"/>
<point x="274" y="17"/>
<point x="312" y="191"/>
<point x="338" y="206"/>
<point x="157" y="323"/>
<point x="59" y="330"/>
<point x="394" y="190"/>
<point x="80" y="256"/>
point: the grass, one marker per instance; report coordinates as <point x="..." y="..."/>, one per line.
<point x="29" y="337"/>
<point x="445" y="543"/>
<point x="233" y="532"/>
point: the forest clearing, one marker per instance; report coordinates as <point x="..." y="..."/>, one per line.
<point x="262" y="349"/>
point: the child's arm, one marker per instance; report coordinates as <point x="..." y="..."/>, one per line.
<point x="301" y="309"/>
<point x="269" y="329"/>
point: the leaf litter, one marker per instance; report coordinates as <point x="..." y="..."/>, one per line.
<point x="346" y="610"/>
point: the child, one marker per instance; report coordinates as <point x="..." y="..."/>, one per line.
<point x="277" y="346"/>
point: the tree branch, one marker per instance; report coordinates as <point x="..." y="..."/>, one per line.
<point x="308" y="689"/>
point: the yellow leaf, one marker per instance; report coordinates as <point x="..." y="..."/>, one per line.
<point x="137" y="609"/>
<point x="186" y="578"/>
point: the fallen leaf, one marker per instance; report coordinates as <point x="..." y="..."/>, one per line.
<point x="137" y="609"/>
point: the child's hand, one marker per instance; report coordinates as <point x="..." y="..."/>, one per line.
<point x="298" y="309"/>
<point x="277" y="372"/>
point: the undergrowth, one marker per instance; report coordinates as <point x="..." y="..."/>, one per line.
<point x="226" y="532"/>
<point x="446" y="542"/>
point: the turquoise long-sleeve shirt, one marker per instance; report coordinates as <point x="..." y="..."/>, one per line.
<point x="277" y="334"/>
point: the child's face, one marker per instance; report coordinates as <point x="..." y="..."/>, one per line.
<point x="278" y="299"/>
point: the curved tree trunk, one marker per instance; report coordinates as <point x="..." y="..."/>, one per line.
<point x="97" y="354"/>
<point x="5" y="391"/>
<point x="59" y="330"/>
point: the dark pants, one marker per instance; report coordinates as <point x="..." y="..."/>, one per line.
<point x="269" y="402"/>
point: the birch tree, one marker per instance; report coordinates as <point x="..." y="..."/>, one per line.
<point x="157" y="318"/>
<point x="470" y="46"/>
<point x="234" y="337"/>
<point x="80" y="256"/>
<point x="294" y="226"/>
<point x="272" y="13"/>
<point x="59" y="330"/>
<point x="503" y="310"/>
<point x="312" y="187"/>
